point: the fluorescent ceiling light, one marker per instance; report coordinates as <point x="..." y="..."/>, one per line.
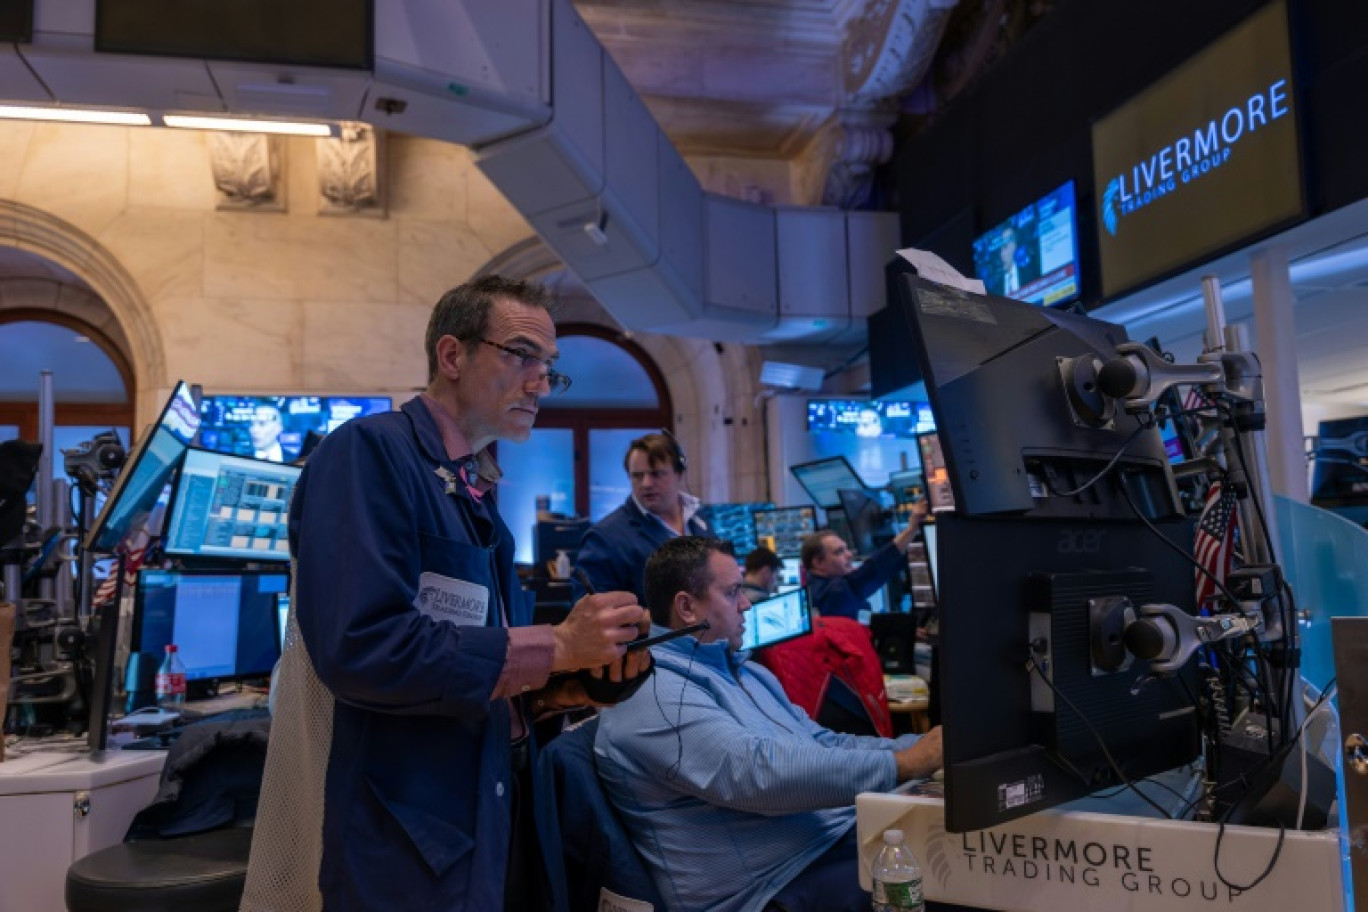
<point x="247" y="126"/>
<point x="77" y="115"/>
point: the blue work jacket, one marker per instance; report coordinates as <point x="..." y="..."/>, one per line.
<point x="845" y="596"/>
<point x="614" y="551"/>
<point x="418" y="787"/>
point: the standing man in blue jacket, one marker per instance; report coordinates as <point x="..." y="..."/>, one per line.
<point x="836" y="587"/>
<point x="614" y="551"/>
<point x="397" y="775"/>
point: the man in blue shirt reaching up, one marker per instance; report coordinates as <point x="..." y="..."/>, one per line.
<point x="735" y="799"/>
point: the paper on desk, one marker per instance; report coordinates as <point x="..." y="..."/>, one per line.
<point x="931" y="267"/>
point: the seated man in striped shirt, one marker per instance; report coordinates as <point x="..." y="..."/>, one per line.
<point x="733" y="796"/>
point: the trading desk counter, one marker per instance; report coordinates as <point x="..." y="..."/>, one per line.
<point x="1088" y="862"/>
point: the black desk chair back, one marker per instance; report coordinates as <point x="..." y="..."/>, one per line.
<point x="188" y="850"/>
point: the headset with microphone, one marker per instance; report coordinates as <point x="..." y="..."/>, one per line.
<point x="681" y="462"/>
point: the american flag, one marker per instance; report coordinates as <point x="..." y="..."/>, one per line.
<point x="132" y="564"/>
<point x="1215" y="539"/>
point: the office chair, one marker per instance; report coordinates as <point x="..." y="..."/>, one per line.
<point x="596" y="852"/>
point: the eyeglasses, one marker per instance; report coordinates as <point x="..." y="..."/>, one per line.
<point x="558" y="382"/>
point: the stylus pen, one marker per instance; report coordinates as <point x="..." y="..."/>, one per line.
<point x="583" y="579"/>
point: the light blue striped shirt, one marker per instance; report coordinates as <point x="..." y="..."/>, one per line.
<point x="727" y="788"/>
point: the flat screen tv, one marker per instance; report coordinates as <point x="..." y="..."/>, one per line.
<point x="869" y="418"/>
<point x="277" y="427"/>
<point x="324" y="33"/>
<point x="1033" y="255"/>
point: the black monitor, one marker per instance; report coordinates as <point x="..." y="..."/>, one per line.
<point x="786" y="526"/>
<point x="866" y="518"/>
<point x="555" y="535"/>
<point x="1018" y="413"/>
<point x="895" y="640"/>
<point x="231" y="507"/>
<point x="145" y="475"/>
<point x="1012" y="746"/>
<point x="1034" y="562"/>
<point x="823" y="480"/>
<point x="777" y="619"/>
<point x="224" y="622"/>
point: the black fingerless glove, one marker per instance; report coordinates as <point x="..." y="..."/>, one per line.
<point x="603" y="690"/>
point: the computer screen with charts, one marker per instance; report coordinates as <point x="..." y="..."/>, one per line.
<point x="777" y="620"/>
<point x="231" y="507"/>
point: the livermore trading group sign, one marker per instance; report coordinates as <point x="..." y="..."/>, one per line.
<point x="1202" y="160"/>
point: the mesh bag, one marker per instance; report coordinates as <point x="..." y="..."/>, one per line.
<point x="287" y="845"/>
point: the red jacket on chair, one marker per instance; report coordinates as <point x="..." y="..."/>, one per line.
<point x="840" y="648"/>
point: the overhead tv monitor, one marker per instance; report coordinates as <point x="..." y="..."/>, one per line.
<point x="277" y="427"/>
<point x="777" y="619"/>
<point x="823" y="480"/>
<point x="1033" y="255"/>
<point x="223" y="622"/>
<point x="1204" y="160"/>
<point x="323" y="33"/>
<point x="787" y="526"/>
<point x="231" y="507"/>
<point x="132" y="502"/>
<point x="1028" y="368"/>
<point x="869" y="418"/>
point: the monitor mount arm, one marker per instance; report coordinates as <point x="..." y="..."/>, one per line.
<point x="1230" y="376"/>
<point x="1166" y="636"/>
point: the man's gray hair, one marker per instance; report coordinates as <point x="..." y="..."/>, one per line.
<point x="463" y="312"/>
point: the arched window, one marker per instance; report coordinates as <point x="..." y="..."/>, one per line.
<point x="574" y="456"/>
<point x="92" y="382"/>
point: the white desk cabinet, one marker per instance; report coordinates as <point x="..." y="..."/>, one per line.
<point x="58" y="807"/>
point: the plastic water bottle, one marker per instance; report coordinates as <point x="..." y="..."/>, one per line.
<point x="170" y="684"/>
<point x="897" y="877"/>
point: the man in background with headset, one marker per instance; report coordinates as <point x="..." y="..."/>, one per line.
<point x="614" y="551"/>
<point x="736" y="800"/>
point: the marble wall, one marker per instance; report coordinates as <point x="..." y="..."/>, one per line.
<point x="291" y="301"/>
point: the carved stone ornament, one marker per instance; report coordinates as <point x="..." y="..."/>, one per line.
<point x="859" y="142"/>
<point x="890" y="47"/>
<point x="350" y="170"/>
<point x="248" y="172"/>
<point x="887" y="53"/>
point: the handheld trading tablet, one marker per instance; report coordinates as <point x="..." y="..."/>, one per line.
<point x="778" y="619"/>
